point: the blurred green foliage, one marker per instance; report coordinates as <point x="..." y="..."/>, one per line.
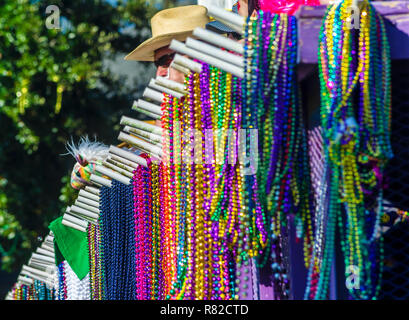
<point x="54" y="86"/>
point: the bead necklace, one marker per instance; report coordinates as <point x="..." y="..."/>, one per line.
<point x="281" y="184"/>
<point x="167" y="114"/>
<point x="140" y="234"/>
<point x="118" y="241"/>
<point x="174" y="198"/>
<point x="200" y="195"/>
<point x="62" y="284"/>
<point x="155" y="231"/>
<point x="355" y="117"/>
<point x="95" y="261"/>
<point x="103" y="249"/>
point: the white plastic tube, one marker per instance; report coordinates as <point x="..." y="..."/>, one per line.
<point x="157" y="87"/>
<point x="148" y="106"/>
<point x="120" y="164"/>
<point x="89" y="195"/>
<point x="75" y="220"/>
<point x="147" y="135"/>
<point x="83" y="212"/>
<point x="112" y="174"/>
<point x="82" y="217"/>
<point x="232" y="20"/>
<point x="48" y="279"/>
<point x="87" y="207"/>
<point x="140" y="148"/>
<point x="215" y="52"/>
<point x="89" y="202"/>
<point x="187" y="63"/>
<point x="36" y="271"/>
<point x="124" y="161"/>
<point x="144" y="138"/>
<point x="39" y="278"/>
<point x="101" y="180"/>
<point x="48" y="248"/>
<point x="95" y="183"/>
<point x="42" y="257"/>
<point x="25" y="280"/>
<point x="180" y="68"/>
<point x="141" y="144"/>
<point x="140" y="125"/>
<point x="45" y="277"/>
<point x="128" y="155"/>
<point x="45" y="252"/>
<point x="147" y="113"/>
<point x="73" y="225"/>
<point x="143" y="150"/>
<point x="92" y="190"/>
<point x="153" y="94"/>
<point x="176" y="86"/>
<point x="119" y="170"/>
<point x="221" y="64"/>
<point x="48" y="243"/>
<point x="39" y="264"/>
<point x="218" y="40"/>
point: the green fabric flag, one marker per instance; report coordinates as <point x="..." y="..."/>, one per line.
<point x="70" y="245"/>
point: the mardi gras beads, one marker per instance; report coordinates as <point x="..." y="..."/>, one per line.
<point x="198" y="161"/>
<point x="178" y="205"/>
<point x="62" y="285"/>
<point x="175" y="205"/>
<point x="118" y="242"/>
<point x="147" y="243"/>
<point x="139" y="233"/>
<point x="155" y="231"/>
<point x="166" y="132"/>
<point x="281" y="184"/>
<point x="189" y="125"/>
<point x="206" y="210"/>
<point x="105" y="247"/>
<point x="101" y="242"/>
<point x="208" y="175"/>
<point x="356" y="136"/>
<point x="95" y="261"/>
<point x="138" y="216"/>
<point x="249" y="122"/>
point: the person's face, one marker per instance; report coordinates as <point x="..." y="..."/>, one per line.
<point x="163" y="58"/>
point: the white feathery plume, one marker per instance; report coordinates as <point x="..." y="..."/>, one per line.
<point x="87" y="149"/>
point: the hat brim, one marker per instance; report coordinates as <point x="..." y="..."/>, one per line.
<point x="146" y="50"/>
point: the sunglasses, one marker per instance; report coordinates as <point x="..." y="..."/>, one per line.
<point x="165" y="60"/>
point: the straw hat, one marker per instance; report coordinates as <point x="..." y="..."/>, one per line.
<point x="175" y="23"/>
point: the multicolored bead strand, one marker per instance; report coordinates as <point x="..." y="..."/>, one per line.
<point x="355" y="117"/>
<point x="95" y="261"/>
<point x="281" y="184"/>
